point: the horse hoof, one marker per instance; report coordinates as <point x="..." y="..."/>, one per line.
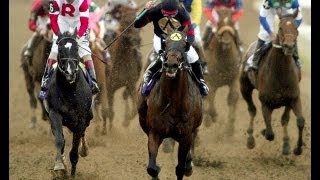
<point x="153" y="172"/>
<point x="59" y="166"/>
<point x="286" y="149"/>
<point x="189" y="170"/>
<point x="251" y="142"/>
<point x="269" y="136"/>
<point x="297" y="151"/>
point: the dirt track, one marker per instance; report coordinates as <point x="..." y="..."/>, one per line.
<point x="122" y="154"/>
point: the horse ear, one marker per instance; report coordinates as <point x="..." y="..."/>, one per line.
<point x="75" y="32"/>
<point x="295" y="13"/>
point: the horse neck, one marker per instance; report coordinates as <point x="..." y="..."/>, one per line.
<point x="175" y="89"/>
<point x="280" y="66"/>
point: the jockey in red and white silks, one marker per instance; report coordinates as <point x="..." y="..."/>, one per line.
<point x="213" y="17"/>
<point x="66" y="16"/>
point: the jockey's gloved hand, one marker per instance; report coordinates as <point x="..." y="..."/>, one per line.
<point x="187" y="48"/>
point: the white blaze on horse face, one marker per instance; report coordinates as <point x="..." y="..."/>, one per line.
<point x="69" y="69"/>
<point x="288" y="23"/>
<point x="68" y="45"/>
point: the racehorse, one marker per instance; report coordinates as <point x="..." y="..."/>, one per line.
<point x="34" y="69"/>
<point x="224" y="66"/>
<point x="173" y="108"/>
<point x="125" y="66"/>
<point x="69" y="102"/>
<point x="277" y="82"/>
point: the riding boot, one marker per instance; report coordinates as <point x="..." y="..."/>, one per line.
<point x="92" y="76"/>
<point x="200" y="52"/>
<point x="46" y="78"/>
<point x="30" y="46"/>
<point x="147" y="77"/>
<point x="207" y="35"/>
<point x="196" y="68"/>
<point x="256" y="58"/>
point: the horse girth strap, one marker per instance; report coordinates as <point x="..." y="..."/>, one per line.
<point x="226" y="28"/>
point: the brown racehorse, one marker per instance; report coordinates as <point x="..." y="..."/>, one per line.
<point x="224" y="66"/>
<point x="173" y="108"/>
<point x="33" y="71"/>
<point x="125" y="66"/>
<point x="277" y="82"/>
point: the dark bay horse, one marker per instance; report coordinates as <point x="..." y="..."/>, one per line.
<point x="125" y="66"/>
<point x="33" y="71"/>
<point x="69" y="102"/>
<point x="277" y="82"/>
<point x="224" y="66"/>
<point x="173" y="109"/>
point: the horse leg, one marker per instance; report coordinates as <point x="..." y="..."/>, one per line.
<point x="30" y="89"/>
<point x="73" y="154"/>
<point x="57" y="130"/>
<point x="184" y="166"/>
<point x="110" y="111"/>
<point x="267" y="132"/>
<point x="44" y="112"/>
<point x="297" y="110"/>
<point x="284" y="122"/>
<point x="154" y="141"/>
<point x="127" y="116"/>
<point x="211" y="108"/>
<point x="84" y="150"/>
<point x="233" y="97"/>
<point x="246" y="91"/>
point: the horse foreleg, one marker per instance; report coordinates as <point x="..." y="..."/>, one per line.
<point x="233" y="97"/>
<point x="284" y="122"/>
<point x="110" y="113"/>
<point x="154" y="141"/>
<point x="57" y="130"/>
<point x="84" y="150"/>
<point x="73" y="154"/>
<point x="184" y="166"/>
<point x="246" y="91"/>
<point x="32" y="97"/>
<point x="267" y="132"/>
<point x="297" y="109"/>
<point x="211" y="108"/>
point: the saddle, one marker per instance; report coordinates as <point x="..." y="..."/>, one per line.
<point x="259" y="54"/>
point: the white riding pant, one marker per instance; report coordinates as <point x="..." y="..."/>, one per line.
<point x="192" y="55"/>
<point x="83" y="43"/>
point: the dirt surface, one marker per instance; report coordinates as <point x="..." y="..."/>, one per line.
<point x="122" y="154"/>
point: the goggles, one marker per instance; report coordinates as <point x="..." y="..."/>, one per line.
<point x="278" y="4"/>
<point x="169" y="13"/>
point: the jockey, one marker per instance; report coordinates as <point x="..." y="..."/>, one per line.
<point x="169" y="12"/>
<point x="97" y="27"/>
<point x="212" y="17"/>
<point x="38" y="23"/>
<point x="66" y="15"/>
<point x="194" y="7"/>
<point x="111" y="16"/>
<point x="266" y="34"/>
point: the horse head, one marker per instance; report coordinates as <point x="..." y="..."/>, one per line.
<point x="226" y="31"/>
<point x="288" y="32"/>
<point x="175" y="56"/>
<point x="68" y="57"/>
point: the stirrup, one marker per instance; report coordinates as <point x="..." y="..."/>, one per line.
<point x="43" y="95"/>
